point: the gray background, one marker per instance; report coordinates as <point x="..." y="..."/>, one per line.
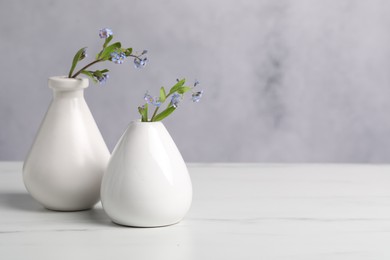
<point x="284" y="81"/>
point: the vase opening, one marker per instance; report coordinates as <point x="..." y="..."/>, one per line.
<point x="63" y="83"/>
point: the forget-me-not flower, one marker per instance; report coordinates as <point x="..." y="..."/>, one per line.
<point x="196" y="83"/>
<point x="103" y="79"/>
<point x="175" y="100"/>
<point x="84" y="54"/>
<point x="196" y="96"/>
<point x="140" y="63"/>
<point x="105" y="33"/>
<point x="153" y="101"/>
<point x="118" y="57"/>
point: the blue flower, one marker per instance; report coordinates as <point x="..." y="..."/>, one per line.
<point x="153" y="101"/>
<point x="157" y="103"/>
<point x="140" y="63"/>
<point x="196" y="83"/>
<point x="103" y="79"/>
<point x="118" y="57"/>
<point x="105" y="33"/>
<point x="196" y="96"/>
<point x="175" y="100"/>
<point x="148" y="98"/>
<point x="83" y="54"/>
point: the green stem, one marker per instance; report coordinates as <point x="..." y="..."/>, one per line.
<point x="135" y="56"/>
<point x="85" y="67"/>
<point x="154" y="114"/>
<point x="157" y="108"/>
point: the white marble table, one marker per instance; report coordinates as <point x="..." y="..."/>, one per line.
<point x="240" y="211"/>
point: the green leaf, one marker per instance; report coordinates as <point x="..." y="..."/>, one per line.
<point x="89" y="74"/>
<point x="104" y="46"/>
<point x="106" y="53"/>
<point x="107" y="41"/>
<point x="163" y="95"/>
<point x="183" y="90"/>
<point x="164" y="114"/>
<point x="144" y="113"/>
<point x="76" y="58"/>
<point x="97" y="74"/>
<point x="176" y="86"/>
<point x="128" y="52"/>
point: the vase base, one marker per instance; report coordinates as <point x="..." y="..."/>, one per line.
<point x="145" y="226"/>
<point x="67" y="210"/>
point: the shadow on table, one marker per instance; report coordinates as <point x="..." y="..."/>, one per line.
<point x="97" y="216"/>
<point x="24" y="202"/>
<point x="20" y="201"/>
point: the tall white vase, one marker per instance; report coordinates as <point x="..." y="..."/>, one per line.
<point x="64" y="167"/>
<point x="146" y="183"/>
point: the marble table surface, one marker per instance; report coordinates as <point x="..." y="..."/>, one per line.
<point x="239" y="211"/>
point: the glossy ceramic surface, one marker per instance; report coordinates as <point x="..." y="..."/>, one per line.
<point x="147" y="182"/>
<point x="64" y="167"/>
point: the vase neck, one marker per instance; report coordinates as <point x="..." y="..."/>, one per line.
<point x="79" y="93"/>
<point x="64" y="87"/>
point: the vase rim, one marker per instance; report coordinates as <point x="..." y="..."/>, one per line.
<point x="65" y="83"/>
<point x="138" y="121"/>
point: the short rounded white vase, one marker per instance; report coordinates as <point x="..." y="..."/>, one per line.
<point x="146" y="183"/>
<point x="66" y="162"/>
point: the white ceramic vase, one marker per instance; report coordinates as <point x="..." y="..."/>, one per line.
<point x="146" y="183"/>
<point x="64" y="167"/>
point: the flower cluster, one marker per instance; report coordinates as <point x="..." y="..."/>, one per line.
<point x="140" y="62"/>
<point x="113" y="52"/>
<point x="118" y="57"/>
<point x="175" y="95"/>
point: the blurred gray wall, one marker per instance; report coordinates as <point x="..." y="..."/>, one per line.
<point x="284" y="81"/>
